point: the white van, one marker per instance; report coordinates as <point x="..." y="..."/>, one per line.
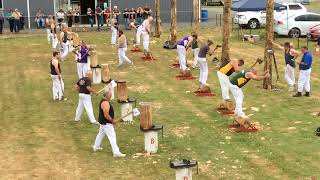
<point x="256" y="19"/>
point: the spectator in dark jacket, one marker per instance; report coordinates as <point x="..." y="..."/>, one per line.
<point x="10" y="20"/>
<point x="1" y="20"/>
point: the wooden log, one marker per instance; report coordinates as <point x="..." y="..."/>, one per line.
<point x="230" y="105"/>
<point x="195" y="22"/>
<point x="122" y="91"/>
<point x="94" y="59"/>
<point x="204" y="89"/>
<point x="105" y="73"/>
<point x="145" y="115"/>
<point x="158" y="20"/>
<point x="185" y="73"/>
<point x="173" y="30"/>
<point x="244" y="122"/>
<point x="226" y="31"/>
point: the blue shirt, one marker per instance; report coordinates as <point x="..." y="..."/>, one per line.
<point x="306" y="61"/>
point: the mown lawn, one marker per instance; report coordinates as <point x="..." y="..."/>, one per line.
<point x="40" y="140"/>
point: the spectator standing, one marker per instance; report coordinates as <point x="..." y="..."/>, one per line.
<point x="126" y="16"/>
<point x="39" y="19"/>
<point x="132" y="14"/>
<point x="76" y="18"/>
<point x="60" y="17"/>
<point x="70" y="18"/>
<point x="147" y="11"/>
<point x="99" y="17"/>
<point x="139" y="15"/>
<point x="10" y="19"/>
<point x="16" y="15"/>
<point x="116" y="12"/>
<point x="49" y="21"/>
<point x="1" y="20"/>
<point x="22" y="21"/>
<point x="107" y="15"/>
<point x="90" y="16"/>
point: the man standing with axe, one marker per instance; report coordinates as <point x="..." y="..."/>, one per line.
<point x="238" y="81"/>
<point x="55" y="73"/>
<point x="84" y="88"/>
<point x="182" y="47"/>
<point x="107" y="122"/>
<point x="224" y="73"/>
<point x="290" y="55"/>
<point x="146" y="30"/>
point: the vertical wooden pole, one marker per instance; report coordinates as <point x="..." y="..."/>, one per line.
<point x="226" y="31"/>
<point x="195" y="23"/>
<point x="173" y="39"/>
<point x="267" y="83"/>
<point x="158" y="20"/>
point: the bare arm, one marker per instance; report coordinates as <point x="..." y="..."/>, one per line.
<point x="294" y="53"/>
<point x="106" y="107"/>
<point x="190" y="40"/>
<point x="89" y="88"/>
<point x="56" y="67"/>
<point x="257" y="77"/>
<point x="277" y="46"/>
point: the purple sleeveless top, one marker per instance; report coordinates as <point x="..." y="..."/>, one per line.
<point x="181" y="42"/>
<point x="84" y="56"/>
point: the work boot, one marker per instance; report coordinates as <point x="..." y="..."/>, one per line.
<point x="297" y="95"/>
<point x="307" y="94"/>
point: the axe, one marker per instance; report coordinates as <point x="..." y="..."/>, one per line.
<point x="257" y="61"/>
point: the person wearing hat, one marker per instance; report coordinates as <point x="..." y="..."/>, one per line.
<point x="1" y="20"/>
<point x="107" y="122"/>
<point x="84" y="88"/>
<point x="16" y="16"/>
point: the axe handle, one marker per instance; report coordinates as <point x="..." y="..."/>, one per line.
<point x="254" y="64"/>
<point x="276" y="66"/>
<point x="103" y="89"/>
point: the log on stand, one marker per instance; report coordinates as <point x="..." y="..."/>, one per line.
<point x="93" y="59"/>
<point x="122" y="91"/>
<point x="145" y="115"/>
<point x="105" y="73"/>
<point x="75" y="40"/>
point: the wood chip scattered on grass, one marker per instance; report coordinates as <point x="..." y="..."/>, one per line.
<point x="292" y="128"/>
<point x="255" y="109"/>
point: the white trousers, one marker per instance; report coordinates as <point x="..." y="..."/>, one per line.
<point x="54" y="42"/>
<point x="238" y="97"/>
<point x="195" y="54"/>
<point x="146" y="40"/>
<point x="85" y="103"/>
<point x="289" y="75"/>
<point x="122" y="56"/>
<point x="114" y="32"/>
<point x="203" y="70"/>
<point x="82" y="69"/>
<point x="57" y="87"/>
<point x="224" y="84"/>
<point x="64" y="50"/>
<point x="304" y="80"/>
<point x="108" y="130"/>
<point x="138" y="36"/>
<point x="182" y="57"/>
<point x="49" y="35"/>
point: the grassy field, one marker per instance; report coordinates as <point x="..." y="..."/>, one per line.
<point x="40" y="140"/>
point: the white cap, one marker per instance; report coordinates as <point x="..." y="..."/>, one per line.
<point x="115" y="7"/>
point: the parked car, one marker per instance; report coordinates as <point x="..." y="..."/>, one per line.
<point x="297" y="25"/>
<point x="214" y="2"/>
<point x="256" y="19"/>
<point x="314" y="32"/>
<point x="294" y="1"/>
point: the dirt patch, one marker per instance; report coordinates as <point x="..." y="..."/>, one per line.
<point x="139" y="89"/>
<point x="180" y="132"/>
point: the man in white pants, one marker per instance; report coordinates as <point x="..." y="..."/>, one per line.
<point x="224" y="73"/>
<point x="84" y="88"/>
<point x="107" y="122"/>
<point x="305" y="73"/>
<point x="55" y="73"/>
<point x="64" y="42"/>
<point x="114" y="30"/>
<point x="146" y="30"/>
<point x="122" y="48"/>
<point x="49" y="21"/>
<point x="195" y="50"/>
<point x="204" y="50"/>
<point x="182" y="48"/>
<point x="81" y="55"/>
<point x="238" y="81"/>
<point x="137" y="30"/>
<point x="290" y="55"/>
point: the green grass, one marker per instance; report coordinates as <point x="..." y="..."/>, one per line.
<point x="40" y="140"/>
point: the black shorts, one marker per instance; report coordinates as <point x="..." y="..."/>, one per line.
<point x="76" y="19"/>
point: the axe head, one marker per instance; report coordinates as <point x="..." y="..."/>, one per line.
<point x="218" y="46"/>
<point x="259" y="60"/>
